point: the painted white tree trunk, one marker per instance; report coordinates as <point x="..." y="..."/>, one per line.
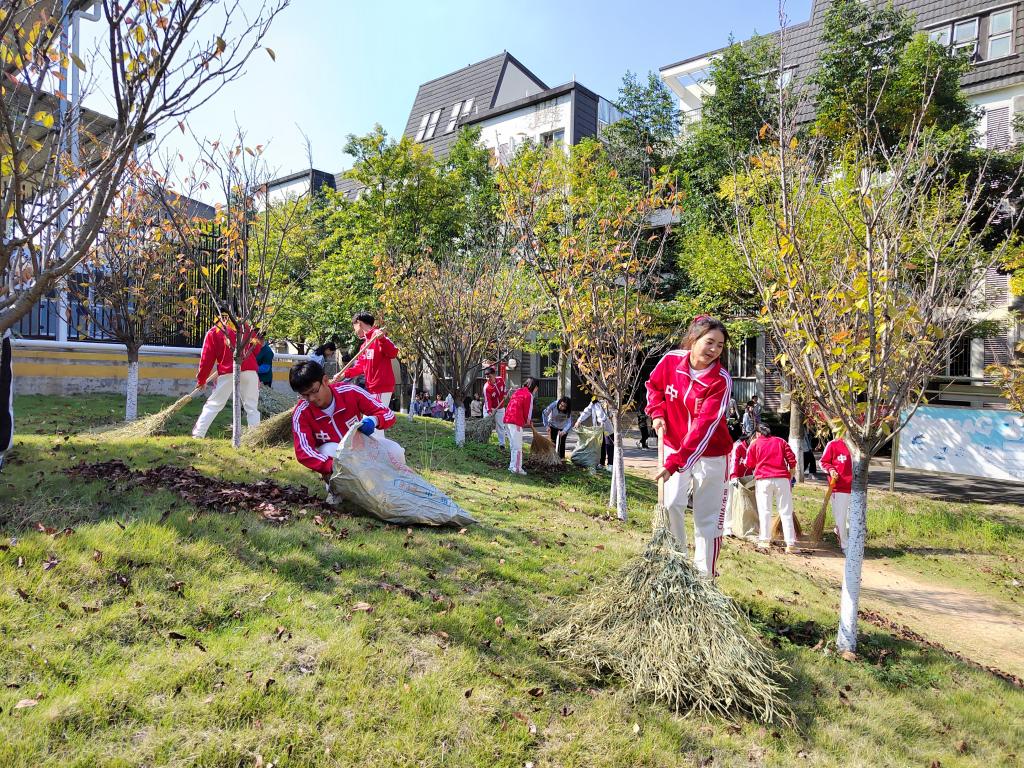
<point x="236" y="404"/>
<point x="460" y="425"/>
<point x="412" y="400"/>
<point x="858" y="521"/>
<point x="617" y="495"/>
<point x="796" y="437"/>
<point x="131" y="402"/>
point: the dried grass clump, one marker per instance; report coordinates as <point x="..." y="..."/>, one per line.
<point x="542" y="453"/>
<point x="277" y="430"/>
<point x="672" y="636"/>
<point x="480" y="430"/>
<point x="273" y="402"/>
<point x="148" y="426"/>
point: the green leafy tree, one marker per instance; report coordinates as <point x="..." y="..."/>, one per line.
<point x="644" y="143"/>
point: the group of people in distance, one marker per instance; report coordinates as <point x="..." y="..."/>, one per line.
<point x="689" y="394"/>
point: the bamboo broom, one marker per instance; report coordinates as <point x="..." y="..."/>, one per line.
<point x="818" y="526"/>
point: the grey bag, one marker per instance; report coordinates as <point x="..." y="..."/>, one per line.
<point x="588" y="447"/>
<point x="371" y="473"/>
<point x="743" y="509"/>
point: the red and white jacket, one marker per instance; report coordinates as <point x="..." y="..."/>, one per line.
<point x="519" y="410"/>
<point x="374" y="362"/>
<point x="218" y="350"/>
<point x="770" y="457"/>
<point x="311" y="427"/>
<point x="737" y="461"/>
<point x="837" y="457"/>
<point x="494" y="395"/>
<point x="693" y="407"/>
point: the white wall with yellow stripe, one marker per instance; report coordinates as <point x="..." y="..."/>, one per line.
<point x="69" y="368"/>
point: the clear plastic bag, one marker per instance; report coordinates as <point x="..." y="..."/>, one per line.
<point x="371" y="473"/>
<point x="588" y="447"/>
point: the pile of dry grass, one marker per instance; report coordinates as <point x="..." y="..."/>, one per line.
<point x="277" y="430"/>
<point x="671" y="635"/>
<point x="480" y="430"/>
<point x="273" y="402"/>
<point x="542" y="454"/>
<point x="148" y="426"/>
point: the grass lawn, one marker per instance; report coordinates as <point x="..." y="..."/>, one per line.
<point x="155" y="634"/>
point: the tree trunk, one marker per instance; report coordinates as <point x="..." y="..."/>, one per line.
<point x="858" y="520"/>
<point x="617" y="496"/>
<point x="460" y="424"/>
<point x="796" y="428"/>
<point x="236" y="404"/>
<point x="131" y="402"/>
<point x="415" y="376"/>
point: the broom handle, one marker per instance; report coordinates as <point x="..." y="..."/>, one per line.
<point x="337" y="376"/>
<point x="661" y="464"/>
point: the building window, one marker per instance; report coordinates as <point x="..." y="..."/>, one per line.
<point x="460" y="109"/>
<point x="997" y="128"/>
<point x="432" y="125"/>
<point x="423" y="127"/>
<point x="959" y="363"/>
<point x="940" y="35"/>
<point x="551" y="138"/>
<point x="1000" y="34"/>
<point x="965" y="37"/>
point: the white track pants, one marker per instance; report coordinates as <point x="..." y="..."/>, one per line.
<point x="769" y="492"/>
<point x="707" y="477"/>
<point x="248" y="388"/>
<point x="500" y="426"/>
<point x="515" y="441"/>
<point x="840" y="510"/>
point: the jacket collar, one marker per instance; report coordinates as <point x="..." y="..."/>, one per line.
<point x="706" y="377"/>
<point x="318" y="414"/>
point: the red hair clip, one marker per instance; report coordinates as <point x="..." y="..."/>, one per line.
<point x="701" y="318"/>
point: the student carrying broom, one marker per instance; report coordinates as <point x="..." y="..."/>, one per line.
<point x="839" y="464"/>
<point x="687" y="399"/>
<point x="218" y="353"/>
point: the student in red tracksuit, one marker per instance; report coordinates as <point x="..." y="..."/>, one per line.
<point x="495" y="396"/>
<point x="737" y="470"/>
<point x="518" y="416"/>
<point x="772" y="461"/>
<point x="838" y="462"/>
<point x="218" y="351"/>
<point x="687" y="399"/>
<point x="374" y="358"/>
<point x="326" y="412"/>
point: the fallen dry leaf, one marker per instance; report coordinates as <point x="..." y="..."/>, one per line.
<point x="536" y="692"/>
<point x="498" y="621"/>
<point x="848" y="656"/>
<point x="364" y="607"/>
<point x="468" y="693"/>
<point x="25" y="703"/>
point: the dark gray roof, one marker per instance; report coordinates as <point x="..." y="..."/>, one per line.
<point x="480" y="82"/>
<point x="802" y="42"/>
<point x="536" y="98"/>
<point x="345" y="186"/>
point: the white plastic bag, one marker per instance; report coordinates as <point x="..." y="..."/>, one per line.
<point x="371" y="473"/>
<point x="587" y="452"/>
<point x="743" y="509"/>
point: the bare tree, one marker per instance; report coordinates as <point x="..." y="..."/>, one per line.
<point x="458" y="308"/>
<point x="868" y="258"/>
<point x="250" y="236"/>
<point x="596" y="253"/>
<point x="63" y="164"/>
<point x="130" y="288"/>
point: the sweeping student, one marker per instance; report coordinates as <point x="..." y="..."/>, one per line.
<point x="688" y="399"/>
<point x="773" y="462"/>
<point x="838" y="462"/>
<point x="495" y="400"/>
<point x="218" y="351"/>
<point x="557" y="417"/>
<point x="326" y="412"/>
<point x="598" y="416"/>
<point x="518" y="416"/>
<point x="373" y="359"/>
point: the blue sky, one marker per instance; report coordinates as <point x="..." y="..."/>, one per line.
<point x="343" y="66"/>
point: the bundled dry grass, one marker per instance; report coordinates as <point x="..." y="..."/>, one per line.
<point x="277" y="430"/>
<point x="672" y="636"/>
<point x="148" y="426"/>
<point x="273" y="402"/>
<point x="542" y="453"/>
<point x="480" y="430"/>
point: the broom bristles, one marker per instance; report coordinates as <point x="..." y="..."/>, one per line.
<point x="778" y="533"/>
<point x="277" y="430"/>
<point x="671" y="635"/>
<point x="148" y="426"/>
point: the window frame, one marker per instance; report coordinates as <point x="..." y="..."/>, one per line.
<point x="999" y="36"/>
<point x="423" y="127"/>
<point x="435" y="118"/>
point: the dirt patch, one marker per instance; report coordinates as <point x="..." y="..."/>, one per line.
<point x="266" y="498"/>
<point x="966" y="624"/>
